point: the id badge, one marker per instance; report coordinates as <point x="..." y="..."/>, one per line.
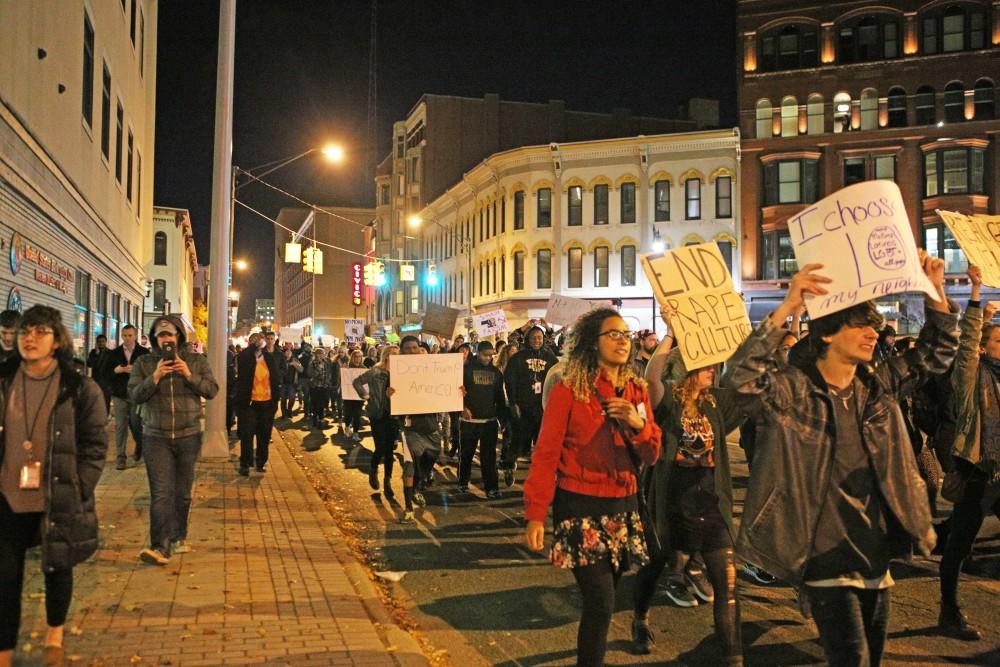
<point x="537" y="387"/>
<point x="31" y="476"/>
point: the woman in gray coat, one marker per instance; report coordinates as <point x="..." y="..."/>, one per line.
<point x="52" y="452"/>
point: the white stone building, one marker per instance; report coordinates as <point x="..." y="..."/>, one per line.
<point x="172" y="265"/>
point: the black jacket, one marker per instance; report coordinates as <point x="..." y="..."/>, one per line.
<point x="118" y="382"/>
<point x="377" y="379"/>
<point x="523" y="370"/>
<point x="78" y="445"/>
<point x="796" y="441"/>
<point x="484" y="391"/>
<point x="246" y="364"/>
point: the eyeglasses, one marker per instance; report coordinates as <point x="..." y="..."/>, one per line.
<point x="615" y="334"/>
<point x="34" y="332"/>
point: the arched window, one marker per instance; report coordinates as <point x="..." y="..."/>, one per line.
<point x="841" y="112"/>
<point x="160" y="249"/>
<point x="984" y="99"/>
<point x="869" y="109"/>
<point x="765" y="127"/>
<point x="897" y="107"/>
<point x="872" y="37"/>
<point x="789" y="117"/>
<point x="814" y="111"/>
<point x="954" y="102"/>
<point x="788" y="47"/>
<point x="159" y="294"/>
<point x="924" y="104"/>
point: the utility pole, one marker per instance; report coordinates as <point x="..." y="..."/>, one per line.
<point x="216" y="441"/>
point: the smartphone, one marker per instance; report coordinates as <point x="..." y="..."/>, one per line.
<point x="169" y="349"/>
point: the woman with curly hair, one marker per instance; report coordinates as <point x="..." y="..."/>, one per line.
<point x="689" y="493"/>
<point x="596" y="418"/>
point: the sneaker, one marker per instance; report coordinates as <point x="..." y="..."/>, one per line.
<point x="508" y="477"/>
<point x="462" y="488"/>
<point x="122" y="463"/>
<point x="419" y="500"/>
<point x="181" y="547"/>
<point x="760" y="576"/>
<point x="245" y="471"/>
<point x="153" y="557"/>
<point x="952" y="623"/>
<point x="261" y="469"/>
<point x="698" y="583"/>
<point x="494" y="494"/>
<point x="642" y="637"/>
<point x="679" y="593"/>
<point x="407" y="517"/>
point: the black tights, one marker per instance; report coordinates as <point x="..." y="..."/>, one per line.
<point x="720" y="567"/>
<point x="597" y="586"/>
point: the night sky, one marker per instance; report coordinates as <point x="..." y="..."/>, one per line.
<point x="301" y="80"/>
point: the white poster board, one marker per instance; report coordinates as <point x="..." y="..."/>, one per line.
<point x="707" y="317"/>
<point x="347" y="376"/>
<point x="290" y="335"/>
<point x="862" y="237"/>
<point x="979" y="236"/>
<point x="354" y="331"/>
<point x="565" y="310"/>
<point x="425" y="383"/>
<point x="491" y="323"/>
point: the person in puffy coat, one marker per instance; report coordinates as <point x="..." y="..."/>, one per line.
<point x="52" y="452"/>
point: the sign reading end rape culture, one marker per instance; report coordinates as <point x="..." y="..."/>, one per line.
<point x="862" y="237"/>
<point x="708" y="318"/>
<point x="979" y="236"/>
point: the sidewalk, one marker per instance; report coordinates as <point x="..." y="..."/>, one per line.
<point x="269" y="581"/>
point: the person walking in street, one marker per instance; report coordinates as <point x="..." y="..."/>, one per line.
<point x="95" y="366"/>
<point x="320" y="380"/>
<point x="271" y="346"/>
<point x="9" y="322"/>
<point x="304" y="356"/>
<point x="53" y="451"/>
<point x="597" y="424"/>
<point x="525" y="377"/>
<point x="289" y="382"/>
<point x="257" y="391"/>
<point x="385" y="427"/>
<point x="835" y="491"/>
<point x="689" y="493"/>
<point x="169" y="384"/>
<point x="353" y="409"/>
<point x="975" y="450"/>
<point x="117" y="368"/>
<point x="485" y="404"/>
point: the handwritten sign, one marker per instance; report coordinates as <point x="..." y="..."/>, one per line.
<point x="440" y="320"/>
<point x="425" y="383"/>
<point x="354" y="331"/>
<point x="491" y="323"/>
<point x="290" y="334"/>
<point x="708" y="318"/>
<point x="979" y="236"/>
<point x="347" y="376"/>
<point x="862" y="237"/>
<point x="565" y="310"/>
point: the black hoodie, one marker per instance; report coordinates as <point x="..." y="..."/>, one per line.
<point x="525" y="378"/>
<point x="484" y="394"/>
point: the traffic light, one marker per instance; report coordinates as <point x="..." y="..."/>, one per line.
<point x="369" y="273"/>
<point x="379" y="274"/>
<point x="308" y="263"/>
<point x="432" y="276"/>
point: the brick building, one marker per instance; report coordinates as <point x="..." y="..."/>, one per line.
<point x="832" y="93"/>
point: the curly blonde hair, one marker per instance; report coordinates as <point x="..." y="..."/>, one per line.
<point x="691" y="398"/>
<point x="582" y="369"/>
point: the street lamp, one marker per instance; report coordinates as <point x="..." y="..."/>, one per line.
<point x="240" y="265"/>
<point x="334" y="153"/>
<point x="466" y="243"/>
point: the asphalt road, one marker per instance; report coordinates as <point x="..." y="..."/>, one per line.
<point x="478" y="596"/>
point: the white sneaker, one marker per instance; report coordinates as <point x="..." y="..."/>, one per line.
<point x="407" y="517"/>
<point x="153" y="557"/>
<point x="182" y="547"/>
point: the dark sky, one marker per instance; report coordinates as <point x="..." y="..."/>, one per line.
<point x="301" y="80"/>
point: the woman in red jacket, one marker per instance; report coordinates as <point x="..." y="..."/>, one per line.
<point x="582" y="467"/>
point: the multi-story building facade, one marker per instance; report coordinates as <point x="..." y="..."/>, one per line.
<point x="172" y="266"/>
<point x="443" y="137"/>
<point x="573" y="219"/>
<point x="832" y="93"/>
<point x="264" y="311"/>
<point x="319" y="303"/>
<point x="77" y="112"/>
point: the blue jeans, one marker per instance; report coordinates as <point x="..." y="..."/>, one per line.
<point x="852" y="623"/>
<point x="170" y="468"/>
<point x="126" y="419"/>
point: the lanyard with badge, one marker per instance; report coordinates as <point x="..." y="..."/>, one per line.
<point x="31" y="472"/>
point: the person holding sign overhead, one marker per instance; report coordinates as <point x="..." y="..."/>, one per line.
<point x="598" y="426"/>
<point x="835" y="491"/>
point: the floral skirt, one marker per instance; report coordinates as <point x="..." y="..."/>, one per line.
<point x="584" y="535"/>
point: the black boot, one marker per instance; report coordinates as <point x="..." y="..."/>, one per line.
<point x="952" y="623"/>
<point x="642" y="637"/>
<point x="373" y="477"/>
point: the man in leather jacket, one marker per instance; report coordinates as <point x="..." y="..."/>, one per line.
<point x="835" y="491"/>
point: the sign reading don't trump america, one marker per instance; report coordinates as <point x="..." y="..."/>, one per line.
<point x="708" y="318"/>
<point x="425" y="383"/>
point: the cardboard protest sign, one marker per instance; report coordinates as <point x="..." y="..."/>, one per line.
<point x="979" y="236"/>
<point x="708" y="318"/>
<point x="290" y="334"/>
<point x="491" y="323"/>
<point x="565" y="310"/>
<point x="347" y="376"/>
<point x="425" y="383"/>
<point x="440" y="320"/>
<point x="862" y="237"/>
<point x="354" y="331"/>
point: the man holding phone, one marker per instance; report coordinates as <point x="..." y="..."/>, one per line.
<point x="168" y="385"/>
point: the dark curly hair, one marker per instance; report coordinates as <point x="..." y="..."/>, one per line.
<point x="581" y="355"/>
<point x="858" y="315"/>
<point x="46" y="316"/>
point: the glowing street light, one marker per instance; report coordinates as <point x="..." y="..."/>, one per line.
<point x="240" y="265"/>
<point x="334" y="153"/>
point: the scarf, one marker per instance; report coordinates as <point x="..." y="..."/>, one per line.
<point x="989" y="416"/>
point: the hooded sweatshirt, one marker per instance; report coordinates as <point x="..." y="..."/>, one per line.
<point x="172" y="407"/>
<point x="525" y="378"/>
